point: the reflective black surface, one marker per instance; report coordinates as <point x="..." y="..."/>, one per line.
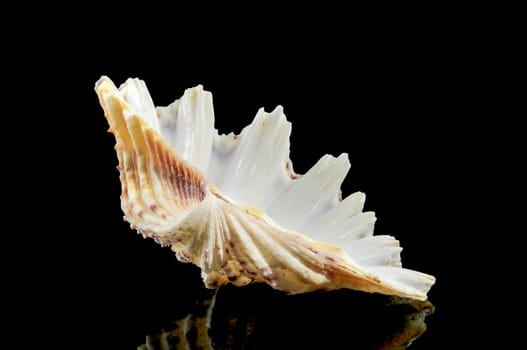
<point x="257" y="317"/>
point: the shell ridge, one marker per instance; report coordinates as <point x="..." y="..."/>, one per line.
<point x="138" y="159"/>
<point x="114" y="110"/>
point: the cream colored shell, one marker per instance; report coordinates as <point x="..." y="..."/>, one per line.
<point x="232" y="204"/>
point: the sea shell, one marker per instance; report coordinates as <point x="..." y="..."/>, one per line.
<point x="232" y="204"/>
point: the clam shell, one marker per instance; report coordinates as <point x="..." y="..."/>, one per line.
<point x="232" y="204"/>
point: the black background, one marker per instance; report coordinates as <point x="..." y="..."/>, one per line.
<point x="398" y="96"/>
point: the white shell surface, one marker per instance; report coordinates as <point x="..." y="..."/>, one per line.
<point x="233" y="205"/>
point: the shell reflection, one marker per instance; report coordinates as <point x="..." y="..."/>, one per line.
<point x="340" y="319"/>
